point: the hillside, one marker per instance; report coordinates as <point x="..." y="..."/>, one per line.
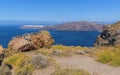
<point x="72" y="26"/>
<point x="35" y="54"/>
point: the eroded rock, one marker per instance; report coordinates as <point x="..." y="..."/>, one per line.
<point x="109" y="36"/>
<point x="1" y="49"/>
<point x="31" y="41"/>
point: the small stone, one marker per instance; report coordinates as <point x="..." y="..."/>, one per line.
<point x="57" y="53"/>
<point x="81" y="52"/>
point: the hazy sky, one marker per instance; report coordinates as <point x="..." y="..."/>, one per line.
<point x="60" y="10"/>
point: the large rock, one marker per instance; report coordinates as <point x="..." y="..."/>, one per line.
<point x="31" y="41"/>
<point x="1" y="49"/>
<point x="109" y="36"/>
<point x="42" y="39"/>
<point x="21" y="44"/>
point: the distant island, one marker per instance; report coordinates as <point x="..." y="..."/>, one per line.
<point x="32" y="26"/>
<point x="70" y="26"/>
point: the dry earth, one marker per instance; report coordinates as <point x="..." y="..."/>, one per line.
<point x="81" y="62"/>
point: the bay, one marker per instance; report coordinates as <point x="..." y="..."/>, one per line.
<point x="68" y="38"/>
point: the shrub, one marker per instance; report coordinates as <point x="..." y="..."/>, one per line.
<point x="105" y="56"/>
<point x="109" y="55"/>
<point x="21" y="64"/>
<point x="27" y="69"/>
<point x="45" y="32"/>
<point x="40" y="61"/>
<point x="70" y="72"/>
<point x="116" y="61"/>
<point x="5" y="69"/>
<point x="16" y="60"/>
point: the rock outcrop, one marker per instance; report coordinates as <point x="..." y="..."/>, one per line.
<point x="1" y="49"/>
<point x="31" y="41"/>
<point x="109" y="36"/>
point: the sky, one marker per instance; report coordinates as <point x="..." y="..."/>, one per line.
<point x="60" y="10"/>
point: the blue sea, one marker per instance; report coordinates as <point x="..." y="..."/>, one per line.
<point x="68" y="38"/>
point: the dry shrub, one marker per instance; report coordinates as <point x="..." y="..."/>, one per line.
<point x="40" y="61"/>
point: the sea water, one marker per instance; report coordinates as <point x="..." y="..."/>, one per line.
<point x="68" y="38"/>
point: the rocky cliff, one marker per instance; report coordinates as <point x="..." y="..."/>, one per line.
<point x="109" y="36"/>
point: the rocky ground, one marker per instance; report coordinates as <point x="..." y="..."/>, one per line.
<point x="81" y="62"/>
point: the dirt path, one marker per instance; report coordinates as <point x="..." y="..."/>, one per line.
<point x="82" y="62"/>
<point x="89" y="64"/>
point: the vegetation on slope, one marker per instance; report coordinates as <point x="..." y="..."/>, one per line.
<point x="70" y="72"/>
<point x="110" y="55"/>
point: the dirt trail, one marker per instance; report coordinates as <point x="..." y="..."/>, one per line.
<point x="89" y="64"/>
<point x="83" y="62"/>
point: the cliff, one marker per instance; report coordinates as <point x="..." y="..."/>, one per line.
<point x="109" y="36"/>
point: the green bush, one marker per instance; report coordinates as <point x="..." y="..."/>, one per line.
<point x="70" y="72"/>
<point x="116" y="61"/>
<point x="105" y="56"/>
<point x="110" y="55"/>
<point x="17" y="60"/>
<point x="21" y="63"/>
<point x="27" y="69"/>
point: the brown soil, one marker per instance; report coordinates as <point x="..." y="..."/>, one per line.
<point x="81" y="62"/>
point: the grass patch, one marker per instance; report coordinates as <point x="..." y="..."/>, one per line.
<point x="21" y="64"/>
<point x="105" y="56"/>
<point x="26" y="70"/>
<point x="59" y="47"/>
<point x="110" y="55"/>
<point x="44" y="51"/>
<point x="115" y="61"/>
<point x="70" y="72"/>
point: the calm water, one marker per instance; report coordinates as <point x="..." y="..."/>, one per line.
<point x="69" y="38"/>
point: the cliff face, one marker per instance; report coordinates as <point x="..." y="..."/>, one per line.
<point x="109" y="36"/>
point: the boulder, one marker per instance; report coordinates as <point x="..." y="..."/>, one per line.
<point x="1" y="49"/>
<point x="31" y="41"/>
<point x="42" y="39"/>
<point x="21" y="44"/>
<point x="109" y="36"/>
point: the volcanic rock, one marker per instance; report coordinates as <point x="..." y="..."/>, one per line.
<point x="109" y="36"/>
